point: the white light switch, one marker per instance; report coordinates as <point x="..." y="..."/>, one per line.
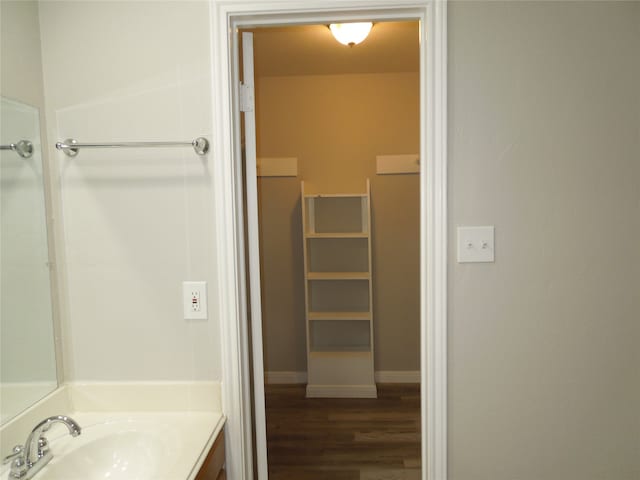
<point x="475" y="244"/>
<point x="194" y="300"/>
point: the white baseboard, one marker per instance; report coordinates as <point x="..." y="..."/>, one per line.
<point x="275" y="378"/>
<point x="342" y="391"/>
<point x="389" y="376"/>
<point x="398" y="376"/>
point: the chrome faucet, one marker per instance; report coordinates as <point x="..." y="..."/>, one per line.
<point x="29" y="459"/>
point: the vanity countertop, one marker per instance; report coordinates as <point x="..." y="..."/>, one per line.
<point x="132" y="445"/>
<point x="124" y="444"/>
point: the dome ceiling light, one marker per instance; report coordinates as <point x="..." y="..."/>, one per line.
<point x="350" y="33"/>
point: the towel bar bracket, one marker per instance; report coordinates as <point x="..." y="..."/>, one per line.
<point x="24" y="148"/>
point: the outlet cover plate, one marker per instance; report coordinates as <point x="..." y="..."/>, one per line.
<point x="200" y="291"/>
<point x="476" y="244"/>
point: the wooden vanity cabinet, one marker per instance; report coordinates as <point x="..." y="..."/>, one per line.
<point x="213" y="466"/>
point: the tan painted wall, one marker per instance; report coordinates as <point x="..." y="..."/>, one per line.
<point x="336" y="125"/>
<point x="544" y="358"/>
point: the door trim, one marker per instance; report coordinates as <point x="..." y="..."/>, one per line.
<point x="230" y="295"/>
<point x="248" y="112"/>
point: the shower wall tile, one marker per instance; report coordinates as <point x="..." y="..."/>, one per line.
<point x="136" y="222"/>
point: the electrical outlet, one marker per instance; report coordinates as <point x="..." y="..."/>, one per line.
<point x="194" y="295"/>
<point x="195" y="300"/>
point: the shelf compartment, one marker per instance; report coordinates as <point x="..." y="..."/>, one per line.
<point x="339" y="296"/>
<point x="340" y="336"/>
<point x="338" y="254"/>
<point x="336" y="214"/>
<point x="341" y="368"/>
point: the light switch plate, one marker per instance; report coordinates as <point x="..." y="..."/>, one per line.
<point x="476" y="244"/>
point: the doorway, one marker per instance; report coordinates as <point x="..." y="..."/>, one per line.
<point x="342" y="121"/>
<point x="227" y="17"/>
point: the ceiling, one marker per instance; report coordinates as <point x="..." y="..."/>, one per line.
<point x="391" y="47"/>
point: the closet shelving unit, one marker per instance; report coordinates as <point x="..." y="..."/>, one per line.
<point x="338" y="294"/>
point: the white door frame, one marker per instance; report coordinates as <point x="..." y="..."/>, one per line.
<point x="226" y="17"/>
<point x="248" y="112"/>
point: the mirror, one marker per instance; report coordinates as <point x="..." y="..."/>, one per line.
<point x="27" y="354"/>
<point x="27" y="348"/>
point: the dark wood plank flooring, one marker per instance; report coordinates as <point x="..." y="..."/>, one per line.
<point x="343" y="439"/>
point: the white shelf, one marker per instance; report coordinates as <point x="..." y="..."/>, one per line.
<point x="338" y="276"/>
<point x="337" y="235"/>
<point x="338" y="294"/>
<point x="338" y="316"/>
<point x="363" y="353"/>
<point x="336" y="195"/>
<point x="358" y="349"/>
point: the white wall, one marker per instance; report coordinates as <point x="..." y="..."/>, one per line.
<point x="21" y="74"/>
<point x="137" y="222"/>
<point x="544" y="144"/>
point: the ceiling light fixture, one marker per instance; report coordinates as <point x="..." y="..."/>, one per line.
<point x="350" y="33"/>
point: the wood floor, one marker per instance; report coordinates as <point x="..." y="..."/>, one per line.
<point x="343" y="439"/>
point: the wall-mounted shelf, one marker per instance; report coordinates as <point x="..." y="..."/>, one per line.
<point x="338" y="316"/>
<point x="338" y="276"/>
<point x="338" y="235"/>
<point x="338" y="294"/>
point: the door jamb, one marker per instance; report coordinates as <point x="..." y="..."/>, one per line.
<point x="226" y="16"/>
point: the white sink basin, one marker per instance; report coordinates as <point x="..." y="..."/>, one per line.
<point x="131" y="446"/>
<point x="118" y="456"/>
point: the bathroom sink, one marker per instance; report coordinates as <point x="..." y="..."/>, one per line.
<point x="136" y="446"/>
<point x="126" y="455"/>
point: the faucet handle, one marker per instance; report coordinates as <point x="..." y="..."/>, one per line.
<point x="43" y="446"/>
<point x="19" y="465"/>
<point x="19" y="468"/>
<point x="17" y="451"/>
